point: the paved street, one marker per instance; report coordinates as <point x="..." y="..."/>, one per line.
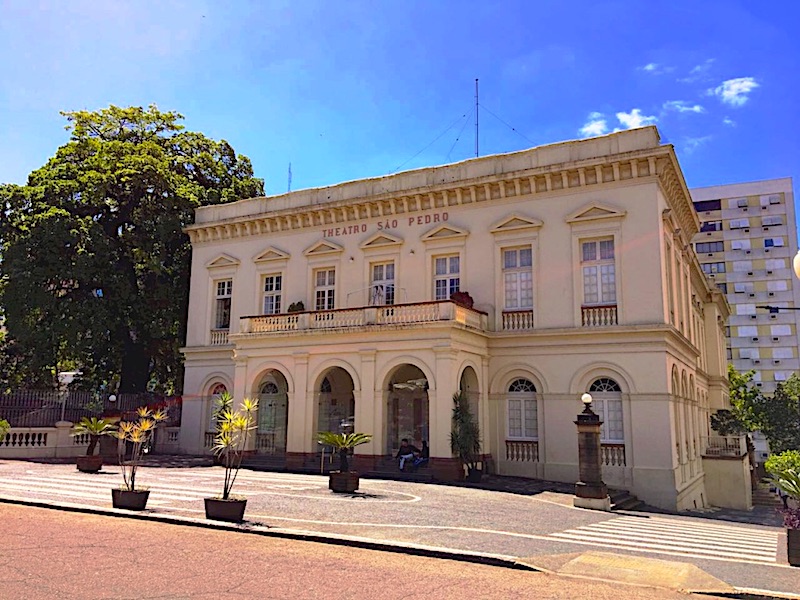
<point x="461" y="520"/>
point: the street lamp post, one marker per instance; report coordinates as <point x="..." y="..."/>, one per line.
<point x="590" y="491"/>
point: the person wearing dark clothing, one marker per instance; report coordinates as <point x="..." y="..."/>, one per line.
<point x="422" y="457"/>
<point x="406" y="452"/>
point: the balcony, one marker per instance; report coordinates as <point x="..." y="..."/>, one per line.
<point x="599" y="316"/>
<point x="219" y="337"/>
<point x="366" y="316"/>
<point x="517" y="320"/>
<point x="724" y="445"/>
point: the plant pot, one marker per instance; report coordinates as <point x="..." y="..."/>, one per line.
<point x="89" y="464"/>
<point x="474" y="475"/>
<point x="231" y="510"/>
<point x="343" y="483"/>
<point x="129" y="500"/>
<point x="793" y="546"/>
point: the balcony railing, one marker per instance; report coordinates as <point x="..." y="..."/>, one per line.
<point x="599" y="316"/>
<point x="365" y="316"/>
<point x="517" y="320"/>
<point x="219" y="337"/>
<point x="724" y="445"/>
<point x="612" y="455"/>
<point x="522" y="450"/>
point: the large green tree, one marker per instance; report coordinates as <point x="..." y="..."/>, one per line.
<point x="95" y="265"/>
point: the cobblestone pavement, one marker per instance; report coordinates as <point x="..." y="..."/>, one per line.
<point x="507" y="519"/>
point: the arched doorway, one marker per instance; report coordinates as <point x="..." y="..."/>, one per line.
<point x="273" y="414"/>
<point x="407" y="408"/>
<point x="469" y="385"/>
<point x="336" y="403"/>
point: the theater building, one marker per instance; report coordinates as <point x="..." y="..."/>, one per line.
<point x="333" y="307"/>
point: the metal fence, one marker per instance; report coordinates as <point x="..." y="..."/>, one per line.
<point x="44" y="408"/>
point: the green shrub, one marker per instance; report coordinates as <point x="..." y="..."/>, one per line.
<point x="780" y="463"/>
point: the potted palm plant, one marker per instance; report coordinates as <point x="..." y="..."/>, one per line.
<point x="344" y="480"/>
<point x="4" y="427"/>
<point x="136" y="434"/>
<point x="465" y="437"/>
<point x="95" y="428"/>
<point x="230" y="443"/>
<point x="788" y="481"/>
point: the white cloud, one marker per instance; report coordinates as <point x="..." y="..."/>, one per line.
<point x="734" y="91"/>
<point x="690" y="144"/>
<point x="650" y="67"/>
<point x="634" y="119"/>
<point x="595" y="125"/>
<point x="698" y="71"/>
<point x="683" y="107"/>
<point x="729" y="122"/>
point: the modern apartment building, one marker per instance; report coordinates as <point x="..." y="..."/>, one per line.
<point x="333" y="306"/>
<point x="746" y="243"/>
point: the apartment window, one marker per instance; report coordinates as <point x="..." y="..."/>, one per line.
<point x="599" y="272"/>
<point x="382" y="284"/>
<point x="717" y="267"/>
<point x="707" y="205"/>
<point x="782" y="353"/>
<point x="778" y="330"/>
<point x="705" y="247"/>
<point x="518" y="278"/>
<point x="740" y="244"/>
<point x="743" y="287"/>
<point x="523" y="422"/>
<point x="741" y="203"/>
<point x="723" y="287"/>
<point x="742" y="266"/>
<point x="273" y="286"/>
<point x="607" y="402"/>
<point x="773" y="242"/>
<point x="324" y="288"/>
<point x="774" y="264"/>
<point x="748" y="331"/>
<point x="739" y="223"/>
<point x="745" y="309"/>
<point x="775" y="199"/>
<point x="777" y="286"/>
<point x="222" y="309"/>
<point x="711" y="226"/>
<point x="780" y="376"/>
<point x="769" y="221"/>
<point x="446" y="278"/>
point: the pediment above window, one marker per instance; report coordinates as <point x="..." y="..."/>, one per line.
<point x="445" y="232"/>
<point x="221" y="261"/>
<point x="595" y="212"/>
<point x="323" y="247"/>
<point x="515" y="222"/>
<point x="380" y="240"/>
<point x="269" y="254"/>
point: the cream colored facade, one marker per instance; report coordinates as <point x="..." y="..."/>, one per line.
<point x="578" y="257"/>
<point x="747" y="241"/>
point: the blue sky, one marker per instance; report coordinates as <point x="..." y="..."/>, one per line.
<point x="345" y="90"/>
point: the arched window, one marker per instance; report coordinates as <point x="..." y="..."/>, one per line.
<point x="607" y="402"/>
<point x="269" y="387"/>
<point x="216" y="391"/>
<point x="523" y="421"/>
<point x="325" y="386"/>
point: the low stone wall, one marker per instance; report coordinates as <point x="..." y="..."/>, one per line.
<point x="43" y="442"/>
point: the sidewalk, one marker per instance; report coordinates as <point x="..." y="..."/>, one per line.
<point x="502" y="521"/>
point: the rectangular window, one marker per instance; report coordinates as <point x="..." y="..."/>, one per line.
<point x="777" y="286"/>
<point x="782" y="353"/>
<point x="717" y="267"/>
<point x="748" y="331"/>
<point x="723" y="287"/>
<point x="599" y="272"/>
<point x="768" y="221"/>
<point x="742" y="266"/>
<point x="222" y="312"/>
<point x="382" y="284"/>
<point x="774" y="264"/>
<point x="740" y="223"/>
<point x="740" y="202"/>
<point x="522" y="417"/>
<point x="707" y="205"/>
<point x="706" y="247"/>
<point x="273" y="286"/>
<point x="778" y="330"/>
<point x="774" y="199"/>
<point x="518" y="278"/>
<point x="773" y="242"/>
<point x="446" y="276"/>
<point x="324" y="289"/>
<point x="745" y="309"/>
<point x="609" y="407"/>
<point x="711" y="226"/>
<point x="740" y="245"/>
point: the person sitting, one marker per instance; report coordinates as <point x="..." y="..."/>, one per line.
<point x="423" y="456"/>
<point x="406" y="452"/>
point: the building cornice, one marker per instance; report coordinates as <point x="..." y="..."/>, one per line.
<point x="655" y="163"/>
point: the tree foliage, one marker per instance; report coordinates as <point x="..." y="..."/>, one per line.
<point x="95" y="265"/>
<point x="777" y="415"/>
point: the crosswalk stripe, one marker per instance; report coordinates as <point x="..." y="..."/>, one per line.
<point x="674" y="537"/>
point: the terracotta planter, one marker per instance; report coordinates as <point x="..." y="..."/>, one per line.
<point x="793" y="546"/>
<point x="129" y="500"/>
<point x="89" y="464"/>
<point x="231" y="510"/>
<point x="343" y="483"/>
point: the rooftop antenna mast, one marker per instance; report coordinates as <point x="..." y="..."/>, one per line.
<point x="290" y="178"/>
<point x="476" y="117"/>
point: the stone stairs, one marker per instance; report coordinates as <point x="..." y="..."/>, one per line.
<point x="763" y="497"/>
<point x="623" y="500"/>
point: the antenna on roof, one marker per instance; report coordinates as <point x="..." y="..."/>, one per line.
<point x="289" y="187"/>
<point x="476" y="117"/>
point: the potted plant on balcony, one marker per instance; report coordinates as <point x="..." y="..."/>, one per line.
<point x="95" y="428"/>
<point x="462" y="298"/>
<point x="296" y="307"/>
<point x="344" y="480"/>
<point x="136" y="434"/>
<point x="465" y="437"/>
<point x="230" y="443"/>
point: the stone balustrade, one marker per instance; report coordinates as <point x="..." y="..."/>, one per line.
<point x="522" y="450"/>
<point x="599" y="316"/>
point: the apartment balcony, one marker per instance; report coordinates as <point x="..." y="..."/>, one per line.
<point x="599" y="316"/>
<point x="366" y="317"/>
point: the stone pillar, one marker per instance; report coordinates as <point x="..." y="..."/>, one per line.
<point x="590" y="491"/>
<point x="368" y="411"/>
<point x="440" y="400"/>
<point x="299" y="434"/>
<point x="64" y="440"/>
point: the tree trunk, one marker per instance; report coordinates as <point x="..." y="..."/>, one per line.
<point x="135" y="368"/>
